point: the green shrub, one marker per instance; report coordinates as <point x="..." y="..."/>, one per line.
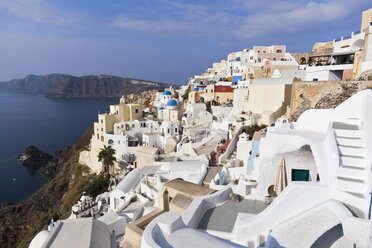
<point x="253" y="128"/>
<point x="98" y="185"/>
<point x="186" y="95"/>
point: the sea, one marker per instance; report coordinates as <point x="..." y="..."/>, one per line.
<point x="49" y="124"/>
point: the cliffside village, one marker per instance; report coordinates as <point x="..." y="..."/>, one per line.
<point x="265" y="149"/>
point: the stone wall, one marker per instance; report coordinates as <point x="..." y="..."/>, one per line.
<point x="322" y="95"/>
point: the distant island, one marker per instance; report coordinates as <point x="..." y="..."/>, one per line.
<point x="67" y="86"/>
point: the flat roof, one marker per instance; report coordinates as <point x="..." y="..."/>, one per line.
<point x="223" y="217"/>
<point x="189" y="189"/>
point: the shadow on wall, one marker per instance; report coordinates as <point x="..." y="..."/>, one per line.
<point x="326" y="240"/>
<point x="329" y="237"/>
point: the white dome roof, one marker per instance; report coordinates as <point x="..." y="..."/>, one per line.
<point x="39" y="239"/>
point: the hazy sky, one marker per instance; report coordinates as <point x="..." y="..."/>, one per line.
<point x="167" y="41"/>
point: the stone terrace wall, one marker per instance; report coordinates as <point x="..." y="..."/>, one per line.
<point x="322" y="95"/>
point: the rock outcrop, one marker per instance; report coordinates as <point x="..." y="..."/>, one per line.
<point x="322" y="95"/>
<point x="55" y="165"/>
<point x="33" y="156"/>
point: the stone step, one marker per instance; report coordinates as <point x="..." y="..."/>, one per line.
<point x="352" y="173"/>
<point x="352" y="201"/>
<point x="356" y="188"/>
<point x="348" y="133"/>
<point x="352" y="151"/>
<point x="354" y="162"/>
<point x="350" y="142"/>
<point x="345" y="126"/>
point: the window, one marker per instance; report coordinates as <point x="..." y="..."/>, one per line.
<point x="101" y="120"/>
<point x="168" y="130"/>
<point x="315" y="79"/>
<point x="259" y="60"/>
<point x="300" y="175"/>
<point x="136" y="111"/>
<point x="211" y="91"/>
<point x="98" y="136"/>
<point x="279" y="51"/>
<point x="119" y="142"/>
<point x="102" y="139"/>
<point x="133" y="125"/>
<point x="274" y="59"/>
<point x="175" y="130"/>
<point x="206" y="91"/>
<point x="101" y="129"/>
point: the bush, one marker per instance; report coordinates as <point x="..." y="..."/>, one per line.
<point x="253" y="128"/>
<point x="186" y="95"/>
<point x="98" y="185"/>
<point x="208" y="105"/>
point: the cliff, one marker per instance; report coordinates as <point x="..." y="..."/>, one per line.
<point x="31" y="84"/>
<point x="99" y="86"/>
<point x="19" y="223"/>
<point x="67" y="86"/>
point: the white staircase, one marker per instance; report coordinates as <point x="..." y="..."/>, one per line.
<point x="352" y="174"/>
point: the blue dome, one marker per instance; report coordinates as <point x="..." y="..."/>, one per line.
<point x="172" y="103"/>
<point x="161" y="108"/>
<point x="167" y="93"/>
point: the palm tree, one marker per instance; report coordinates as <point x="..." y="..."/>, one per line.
<point x="106" y="155"/>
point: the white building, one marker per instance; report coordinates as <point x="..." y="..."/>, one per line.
<point x="326" y="211"/>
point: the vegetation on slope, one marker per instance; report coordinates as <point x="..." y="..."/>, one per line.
<point x="19" y="223"/>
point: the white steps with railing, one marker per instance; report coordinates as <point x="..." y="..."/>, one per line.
<point x="352" y="174"/>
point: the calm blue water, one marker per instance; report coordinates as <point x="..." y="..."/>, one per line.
<point x="49" y="124"/>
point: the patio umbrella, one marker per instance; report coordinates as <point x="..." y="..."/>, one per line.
<point x="281" y="177"/>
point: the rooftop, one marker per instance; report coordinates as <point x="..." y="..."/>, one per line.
<point x="223" y="217"/>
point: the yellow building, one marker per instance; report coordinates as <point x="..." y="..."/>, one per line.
<point x="105" y="124"/>
<point x="208" y="93"/>
<point x="223" y="93"/>
<point x="269" y="99"/>
<point x="366" y="19"/>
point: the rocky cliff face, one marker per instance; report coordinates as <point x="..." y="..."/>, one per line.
<point x="322" y="95"/>
<point x="31" y="84"/>
<point x="19" y="223"/>
<point x="99" y="86"/>
<point x="66" y="86"/>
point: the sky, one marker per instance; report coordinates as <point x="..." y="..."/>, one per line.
<point x="158" y="40"/>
